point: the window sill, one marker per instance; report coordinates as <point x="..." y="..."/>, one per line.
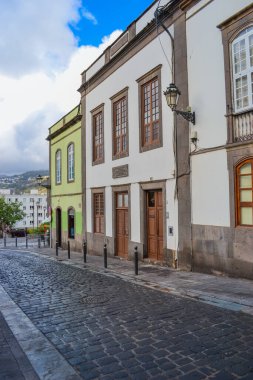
<point x="119" y="156"/>
<point x="146" y="148"/>
<point x="98" y="162"/>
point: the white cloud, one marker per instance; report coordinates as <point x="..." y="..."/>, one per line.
<point x="89" y="16"/>
<point x="35" y="35"/>
<point x="31" y="103"/>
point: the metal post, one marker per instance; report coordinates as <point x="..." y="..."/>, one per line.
<point x="38" y="242"/>
<point x="105" y="256"/>
<point x="56" y="248"/>
<point x="84" y="251"/>
<point x="68" y="250"/>
<point x="44" y="241"/>
<point x="16" y="242"/>
<point x="136" y="260"/>
<point x="5" y="241"/>
<point x="26" y="242"/>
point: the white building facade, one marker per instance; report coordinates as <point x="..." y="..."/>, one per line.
<point x="33" y="204"/>
<point x="220" y="80"/>
<point x="181" y="193"/>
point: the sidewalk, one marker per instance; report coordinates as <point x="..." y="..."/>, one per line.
<point x="225" y="292"/>
<point x="13" y="361"/>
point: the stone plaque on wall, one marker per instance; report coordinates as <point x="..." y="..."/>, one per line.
<point x="120" y="171"/>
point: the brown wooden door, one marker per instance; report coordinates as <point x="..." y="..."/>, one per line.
<point x="155" y="225"/>
<point x="122" y="224"/>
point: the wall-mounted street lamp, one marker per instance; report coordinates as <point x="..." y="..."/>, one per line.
<point x="172" y="94"/>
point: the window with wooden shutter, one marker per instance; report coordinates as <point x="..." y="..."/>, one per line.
<point x="244" y="193"/>
<point x="97" y="120"/>
<point x="150" y="110"/>
<point x="150" y="113"/>
<point x="120" y="138"/>
<point x="98" y="200"/>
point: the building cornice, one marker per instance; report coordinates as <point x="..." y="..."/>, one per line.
<point x="64" y="127"/>
<point x="187" y="4"/>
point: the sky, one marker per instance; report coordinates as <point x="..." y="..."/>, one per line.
<point x="44" y="47"/>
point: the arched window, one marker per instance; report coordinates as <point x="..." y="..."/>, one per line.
<point x="58" y="166"/>
<point x="71" y="163"/>
<point x="244" y="193"/>
<point x="71" y="223"/>
<point x="242" y="62"/>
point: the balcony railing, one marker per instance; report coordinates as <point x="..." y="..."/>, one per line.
<point x="243" y="126"/>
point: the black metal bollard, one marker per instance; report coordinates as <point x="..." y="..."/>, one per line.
<point x="84" y="251"/>
<point x="26" y="242"/>
<point x="105" y="256"/>
<point x="5" y="241"/>
<point x="16" y="242"/>
<point x="56" y="248"/>
<point x="68" y="250"/>
<point x="38" y="242"/>
<point x="44" y="241"/>
<point x="136" y="260"/>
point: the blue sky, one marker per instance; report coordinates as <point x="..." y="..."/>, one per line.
<point x="108" y="16"/>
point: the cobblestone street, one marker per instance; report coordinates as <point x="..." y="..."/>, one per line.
<point x="108" y="328"/>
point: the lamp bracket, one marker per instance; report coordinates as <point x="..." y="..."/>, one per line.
<point x="187" y="115"/>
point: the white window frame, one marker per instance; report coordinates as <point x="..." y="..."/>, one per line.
<point x="71" y="163"/>
<point x="248" y="71"/>
<point x="58" y="166"/>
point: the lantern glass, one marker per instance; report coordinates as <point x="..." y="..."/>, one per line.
<point x="172" y="94"/>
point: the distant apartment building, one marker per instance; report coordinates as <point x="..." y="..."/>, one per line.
<point x="33" y="204"/>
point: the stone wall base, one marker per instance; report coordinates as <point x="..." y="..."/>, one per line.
<point x="221" y="250"/>
<point x="95" y="246"/>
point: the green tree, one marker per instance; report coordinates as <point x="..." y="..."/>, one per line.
<point x="10" y="213"/>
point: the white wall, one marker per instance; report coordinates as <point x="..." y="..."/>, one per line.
<point x="171" y="214"/>
<point x="135" y="207"/>
<point x="88" y="210"/>
<point x="210" y="190"/>
<point x="108" y="211"/>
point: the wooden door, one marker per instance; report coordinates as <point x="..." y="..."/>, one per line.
<point x="122" y="224"/>
<point x="155" y="225"/>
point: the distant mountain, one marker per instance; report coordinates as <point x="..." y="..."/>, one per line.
<point x="21" y="182"/>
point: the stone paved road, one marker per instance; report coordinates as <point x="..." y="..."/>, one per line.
<point x="108" y="328"/>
